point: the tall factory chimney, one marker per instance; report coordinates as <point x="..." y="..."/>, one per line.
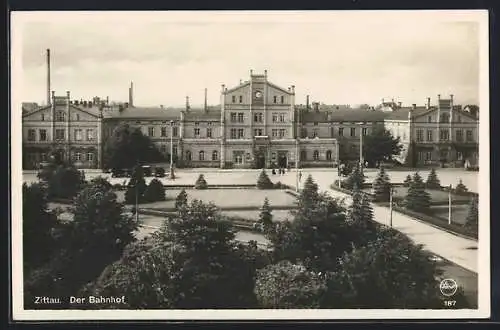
<point x="49" y="101"/>
<point x="131" y="95"/>
<point x="205" y="106"/>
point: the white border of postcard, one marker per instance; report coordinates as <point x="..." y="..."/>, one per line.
<point x="18" y="19"/>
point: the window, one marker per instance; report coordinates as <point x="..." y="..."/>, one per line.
<point x="90" y="134"/>
<point x="315" y="123"/>
<point x="429" y="136"/>
<point x="60" y="116"/>
<point x="240" y="117"/>
<point x="328" y="155"/>
<point x="215" y="155"/>
<point x="78" y="135"/>
<point x="282" y="133"/>
<point x="258" y="132"/>
<point x="241" y="133"/>
<point x="428" y="155"/>
<point x="60" y="134"/>
<point x="258" y="118"/>
<point x="151" y="131"/>
<point x="43" y="135"/>
<point x="43" y="157"/>
<point x="163" y="131"/>
<point x="241" y="98"/>
<point x="460" y="135"/>
<point x="445" y="118"/>
<point x="365" y="131"/>
<point x="459" y="119"/>
<point x="196" y="123"/>
<point x="468" y="135"/>
<point x="31" y="135"/>
<point x="282" y="99"/>
<point x="77" y="117"/>
<point x="233" y="98"/>
<point x="429" y="119"/>
<point x="174" y="131"/>
<point x="420" y="156"/>
<point x="460" y="156"/>
<point x="444" y="135"/>
<point x="275" y="99"/>
<point x="341" y="131"/>
<point x="282" y="117"/>
<point x="197" y="132"/>
<point x="209" y="132"/>
<point x="332" y="132"/>
<point x="304" y="132"/>
<point x="238" y="157"/>
<point x="353" y="131"/>
<point x="163" y="148"/>
<point x="201" y="155"/>
<point x="188" y="155"/>
<point x="420" y="135"/>
<point x="315" y="155"/>
<point x="275" y="117"/>
<point x="274" y="133"/>
<point x="43" y="117"/>
<point x="78" y="156"/>
<point x="303" y="155"/>
<point x="315" y="133"/>
<point x="90" y="156"/>
<point x="233" y="117"/>
<point x="233" y="133"/>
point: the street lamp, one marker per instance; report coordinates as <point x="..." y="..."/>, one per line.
<point x="391" y="191"/>
<point x="449" y="205"/>
<point x="297" y="157"/>
<point x="361" y="160"/>
<point x="172" y="175"/>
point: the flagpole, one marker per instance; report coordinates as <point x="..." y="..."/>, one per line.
<point x="449" y="206"/>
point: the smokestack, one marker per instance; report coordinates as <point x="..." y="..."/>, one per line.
<point x="131" y="95"/>
<point x="428" y="105"/>
<point x="205" y="107"/>
<point x="307" y="102"/>
<point x="187" y="103"/>
<point x="49" y="101"/>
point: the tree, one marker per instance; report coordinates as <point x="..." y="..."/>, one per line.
<point x="309" y="193"/>
<point x="127" y="147"/>
<point x="136" y="186"/>
<point x="103" y="182"/>
<point x="181" y="200"/>
<point x="411" y="155"/>
<point x="356" y="178"/>
<point x="417" y="199"/>
<point x="360" y="218"/>
<point x="263" y="182"/>
<point x="382" y="186"/>
<point x="461" y="189"/>
<point x="432" y="180"/>
<point x="201" y="183"/>
<point x="285" y="285"/>
<point x="155" y="191"/>
<point x="391" y="272"/>
<point x="380" y="145"/>
<point x="266" y="216"/>
<point x="65" y="182"/>
<point x="472" y="219"/>
<point x="38" y="223"/>
<point x="407" y="181"/>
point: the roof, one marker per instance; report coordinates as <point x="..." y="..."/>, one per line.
<point x="343" y="115"/>
<point x="201" y="115"/>
<point x="94" y="111"/>
<point x="402" y="113"/>
<point x="143" y="113"/>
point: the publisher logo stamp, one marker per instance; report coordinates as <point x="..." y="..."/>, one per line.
<point x="448" y="287"/>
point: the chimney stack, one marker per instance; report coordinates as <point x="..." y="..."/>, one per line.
<point x="428" y="105"/>
<point x="307" y="102"/>
<point x="107" y="100"/>
<point x="205" y="107"/>
<point x="265" y="73"/>
<point x="399" y="104"/>
<point x="414" y="105"/>
<point x="251" y="72"/>
<point x="187" y="103"/>
<point x="383" y="101"/>
<point x="49" y="100"/>
<point x="131" y="95"/>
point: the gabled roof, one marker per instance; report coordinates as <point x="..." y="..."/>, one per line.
<point x="246" y="83"/>
<point x="213" y="114"/>
<point x="402" y="113"/>
<point x="94" y="111"/>
<point x="279" y="88"/>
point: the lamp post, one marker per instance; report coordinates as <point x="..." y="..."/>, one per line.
<point x="361" y="160"/>
<point x="297" y="157"/>
<point x="449" y="206"/>
<point x="390" y="206"/>
<point x="172" y="175"/>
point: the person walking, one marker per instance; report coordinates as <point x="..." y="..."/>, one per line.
<point x="300" y="176"/>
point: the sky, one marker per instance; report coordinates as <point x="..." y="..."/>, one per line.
<point x="336" y="58"/>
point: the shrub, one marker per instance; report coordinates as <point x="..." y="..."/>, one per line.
<point x="65" y="182"/>
<point x="461" y="189"/>
<point x="155" y="191"/>
<point x="266" y="216"/>
<point x="137" y="185"/>
<point x="407" y="181"/>
<point x="263" y="182"/>
<point x="201" y="183"/>
<point x="103" y="182"/>
<point x="433" y="181"/>
<point x="382" y="186"/>
<point x="356" y="178"/>
<point x="181" y="200"/>
<point x="160" y="172"/>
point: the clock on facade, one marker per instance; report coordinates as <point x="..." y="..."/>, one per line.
<point x="258" y="94"/>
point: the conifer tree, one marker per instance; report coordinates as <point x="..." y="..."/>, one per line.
<point x="201" y="183"/>
<point x="460" y="189"/>
<point x="433" y="181"/>
<point x="355" y="178"/>
<point x="407" y="181"/>
<point x="473" y="216"/>
<point x="265" y="216"/>
<point x="417" y="198"/>
<point x="263" y="182"/>
<point x="382" y="186"/>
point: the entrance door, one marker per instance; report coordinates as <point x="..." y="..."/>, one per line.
<point x="282" y="161"/>
<point x="260" y="158"/>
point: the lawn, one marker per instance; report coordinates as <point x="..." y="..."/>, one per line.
<point x="458" y="213"/>
<point x="251" y="198"/>
<point x="437" y="196"/>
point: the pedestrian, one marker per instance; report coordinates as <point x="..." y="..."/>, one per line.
<point x="300" y="175"/>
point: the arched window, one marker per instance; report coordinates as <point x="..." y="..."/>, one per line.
<point x="316" y="155"/>
<point x="303" y="155"/>
<point x="188" y="155"/>
<point x="201" y="155"/>
<point x="328" y="155"/>
<point x="445" y="118"/>
<point x="215" y="155"/>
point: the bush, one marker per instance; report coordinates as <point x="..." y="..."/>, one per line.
<point x="65" y="182"/>
<point x="263" y="182"/>
<point x="201" y="183"/>
<point x="137" y="185"/>
<point x="461" y="189"/>
<point x="155" y="191"/>
<point x="279" y="185"/>
<point x="160" y="172"/>
<point x="102" y="182"/>
<point x="181" y="200"/>
<point x="407" y="181"/>
<point x="433" y="181"/>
